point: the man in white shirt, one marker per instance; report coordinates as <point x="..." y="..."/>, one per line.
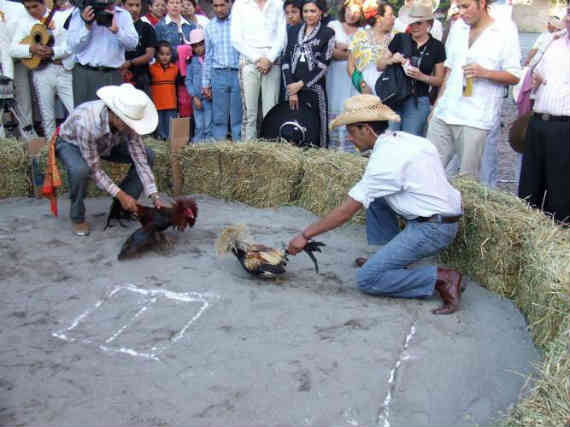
<point x="483" y="57"/>
<point x="258" y="32"/>
<point x="404" y="177"/>
<point x="13" y="12"/>
<point x="553" y="25"/>
<point x="50" y="78"/>
<point x="545" y="178"/>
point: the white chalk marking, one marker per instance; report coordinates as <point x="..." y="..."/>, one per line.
<point x="384" y="416"/>
<point x="348" y="417"/>
<point x="154" y="295"/>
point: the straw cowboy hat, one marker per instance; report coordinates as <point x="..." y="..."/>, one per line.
<point x="420" y="11"/>
<point x="363" y="108"/>
<point x="132" y="106"/>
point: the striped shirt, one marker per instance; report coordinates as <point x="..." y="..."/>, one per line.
<point x="553" y="96"/>
<point x="163" y="86"/>
<point x="87" y="127"/>
<point x="219" y="50"/>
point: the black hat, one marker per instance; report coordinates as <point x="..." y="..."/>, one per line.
<point x="301" y="127"/>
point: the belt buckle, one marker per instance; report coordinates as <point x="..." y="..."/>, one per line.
<point x="545" y="117"/>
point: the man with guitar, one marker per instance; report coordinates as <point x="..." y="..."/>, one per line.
<point x="42" y="48"/>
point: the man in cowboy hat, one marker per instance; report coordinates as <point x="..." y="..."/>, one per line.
<point x="109" y="129"/>
<point x="404" y="178"/>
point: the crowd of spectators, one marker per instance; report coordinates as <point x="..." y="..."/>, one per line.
<point x="228" y="71"/>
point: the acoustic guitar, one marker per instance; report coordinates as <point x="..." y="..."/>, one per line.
<point x="39" y="34"/>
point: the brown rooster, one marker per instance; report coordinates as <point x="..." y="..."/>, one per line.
<point x="257" y="259"/>
<point x="154" y="221"/>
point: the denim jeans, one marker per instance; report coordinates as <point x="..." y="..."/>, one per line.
<point x="78" y="173"/>
<point x="413" y="117"/>
<point x="226" y="103"/>
<point x="164" y="117"/>
<point x="386" y="272"/>
<point x="203" y="122"/>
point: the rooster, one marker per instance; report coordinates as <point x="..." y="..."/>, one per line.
<point x="154" y="221"/>
<point x="257" y="259"/>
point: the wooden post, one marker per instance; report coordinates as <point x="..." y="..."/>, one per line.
<point x="179" y="136"/>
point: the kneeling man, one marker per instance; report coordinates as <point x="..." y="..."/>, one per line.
<point x="404" y="177"/>
<point x="108" y="129"/>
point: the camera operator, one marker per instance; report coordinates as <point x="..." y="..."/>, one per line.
<point x="99" y="34"/>
<point x="424" y="68"/>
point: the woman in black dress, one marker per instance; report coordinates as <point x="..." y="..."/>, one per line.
<point x="305" y="61"/>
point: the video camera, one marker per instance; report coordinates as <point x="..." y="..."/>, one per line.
<point x="102" y="17"/>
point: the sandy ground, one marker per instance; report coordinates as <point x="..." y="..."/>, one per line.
<point x="180" y="337"/>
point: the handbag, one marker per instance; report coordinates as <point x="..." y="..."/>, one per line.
<point x="393" y="86"/>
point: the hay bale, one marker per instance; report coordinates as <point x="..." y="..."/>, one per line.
<point x="548" y="403"/>
<point x="491" y="236"/>
<point x="261" y="174"/>
<point x="544" y="287"/>
<point x="327" y="178"/>
<point x="14" y="174"/>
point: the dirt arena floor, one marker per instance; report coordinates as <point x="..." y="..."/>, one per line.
<point x="182" y="337"/>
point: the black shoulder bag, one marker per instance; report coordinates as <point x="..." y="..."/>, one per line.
<point x="393" y="86"/>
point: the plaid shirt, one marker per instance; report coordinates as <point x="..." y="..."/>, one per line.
<point x="88" y="128"/>
<point x="219" y="50"/>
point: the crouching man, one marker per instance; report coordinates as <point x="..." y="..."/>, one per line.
<point x="108" y="129"/>
<point x="404" y="177"/>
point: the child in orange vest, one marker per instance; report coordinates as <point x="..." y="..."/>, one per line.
<point x="163" y="75"/>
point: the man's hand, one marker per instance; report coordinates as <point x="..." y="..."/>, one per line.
<point x="536" y="80"/>
<point x="294" y="88"/>
<point x="294" y="102"/>
<point x="263" y="65"/>
<point x="296" y="245"/>
<point x="415" y="73"/>
<point x="474" y="71"/>
<point x="158" y="204"/>
<point x="88" y="16"/>
<point x="127" y="202"/>
<point x="126" y="65"/>
<point x="207" y="92"/>
<point x="43" y="52"/>
<point x="114" y="28"/>
<point x="197" y="103"/>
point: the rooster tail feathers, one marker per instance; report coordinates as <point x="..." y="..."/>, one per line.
<point x="136" y="243"/>
<point x="227" y="239"/>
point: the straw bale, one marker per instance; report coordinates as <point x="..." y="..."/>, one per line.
<point x="544" y="288"/>
<point x="261" y="174"/>
<point x="14" y="178"/>
<point x="548" y="403"/>
<point x="491" y="236"/>
<point x="327" y="178"/>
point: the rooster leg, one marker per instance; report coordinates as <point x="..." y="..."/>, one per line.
<point x="165" y="239"/>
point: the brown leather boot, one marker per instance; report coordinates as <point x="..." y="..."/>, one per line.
<point x="448" y="284"/>
<point x="360" y="261"/>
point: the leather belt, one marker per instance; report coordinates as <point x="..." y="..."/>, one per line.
<point x="439" y="218"/>
<point x="99" y="68"/>
<point x="550" y="118"/>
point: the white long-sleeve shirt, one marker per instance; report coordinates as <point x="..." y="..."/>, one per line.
<point x="256" y="32"/>
<point x="60" y="49"/>
<point x="497" y="48"/>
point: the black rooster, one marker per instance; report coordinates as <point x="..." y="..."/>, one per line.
<point x="257" y="259"/>
<point x="154" y="221"/>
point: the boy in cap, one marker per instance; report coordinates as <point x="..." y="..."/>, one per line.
<point x="404" y="178"/>
<point x="109" y="129"/>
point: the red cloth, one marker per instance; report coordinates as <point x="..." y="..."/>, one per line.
<point x="52" y="177"/>
<point x="184" y="102"/>
<point x="152" y="19"/>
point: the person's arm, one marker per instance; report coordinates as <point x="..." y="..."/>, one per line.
<point x="530" y="55"/>
<point x="337" y="217"/>
<point x="149" y="38"/>
<point x="60" y="48"/>
<point x="17" y="49"/>
<point x="350" y="64"/>
<point x="127" y="34"/>
<point x="208" y="59"/>
<point x="137" y="151"/>
<point x="79" y="32"/>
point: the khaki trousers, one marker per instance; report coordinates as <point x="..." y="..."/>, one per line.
<point x="251" y="83"/>
<point x="466" y="141"/>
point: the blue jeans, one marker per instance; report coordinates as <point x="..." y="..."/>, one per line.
<point x="78" y="173"/>
<point x="386" y="272"/>
<point x="413" y="117"/>
<point x="203" y="122"/>
<point x="226" y="103"/>
<point x="164" y="117"/>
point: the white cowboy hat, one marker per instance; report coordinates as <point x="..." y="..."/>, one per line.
<point x="363" y="108"/>
<point x="132" y="106"/>
<point x="420" y="11"/>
